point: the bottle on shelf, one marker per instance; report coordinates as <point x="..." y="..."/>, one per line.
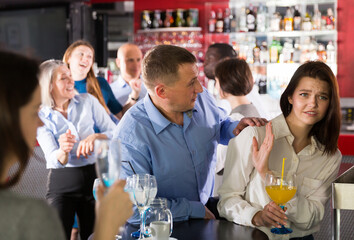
<point x="297" y="51"/>
<point x="297" y="19"/>
<point x="273" y="52"/>
<point x="264" y="55"/>
<point x="316" y="19"/>
<point x="262" y="20"/>
<point x="256" y="53"/>
<point x="251" y="19"/>
<point x="306" y="23"/>
<point x="330" y="20"/>
<point x="227" y="22"/>
<point x="157" y="22"/>
<point x="313" y="50"/>
<point x="288" y="20"/>
<point x="243" y="20"/>
<point x="179" y="21"/>
<point x="212" y="22"/>
<point x="275" y="22"/>
<point x="288" y="51"/>
<point x="145" y="20"/>
<point x="168" y="20"/>
<point x="233" y="21"/>
<point x="331" y="53"/>
<point x="321" y="53"/>
<point x="219" y="21"/>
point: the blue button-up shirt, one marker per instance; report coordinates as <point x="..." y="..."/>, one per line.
<point x="182" y="158"/>
<point x="84" y="111"/>
<point x="121" y="90"/>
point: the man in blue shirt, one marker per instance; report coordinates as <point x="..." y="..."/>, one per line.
<point x="173" y="132"/>
<point x="128" y="88"/>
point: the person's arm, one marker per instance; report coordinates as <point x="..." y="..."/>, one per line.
<point x="238" y="173"/>
<point x="134" y="95"/>
<point x="112" y="103"/>
<point x="50" y="147"/>
<point x="306" y="209"/>
<point x="101" y="118"/>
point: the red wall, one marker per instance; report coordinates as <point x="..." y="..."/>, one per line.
<point x="345" y="48"/>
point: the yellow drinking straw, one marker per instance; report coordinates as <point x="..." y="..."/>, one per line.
<point x="282" y="174"/>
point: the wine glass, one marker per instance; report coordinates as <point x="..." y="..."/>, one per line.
<point x="94" y="188"/>
<point x="108" y="160"/>
<point x="144" y="189"/>
<point x="281" y="188"/>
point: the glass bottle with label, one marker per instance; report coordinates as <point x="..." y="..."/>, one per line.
<point x="330" y="20"/>
<point x="157" y="22"/>
<point x="288" y="20"/>
<point x="297" y="19"/>
<point x="168" y="21"/>
<point x="145" y="20"/>
<point x="179" y="22"/>
<point x="321" y="53"/>
<point x="331" y="53"/>
<point x="275" y="22"/>
<point x="307" y="24"/>
<point x="273" y="52"/>
<point x="316" y="19"/>
<point x="261" y="19"/>
<point x="256" y="53"/>
<point x="297" y="51"/>
<point x="227" y="24"/>
<point x="219" y="21"/>
<point x="233" y="22"/>
<point x="243" y="20"/>
<point x="264" y="55"/>
<point x="212" y="22"/>
<point x="251" y="19"/>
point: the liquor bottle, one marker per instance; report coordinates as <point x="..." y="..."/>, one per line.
<point x="297" y="19"/>
<point x="251" y="19"/>
<point x="212" y="22"/>
<point x="316" y="19"/>
<point x="233" y="22"/>
<point x="273" y="52"/>
<point x="275" y="22"/>
<point x="264" y="55"/>
<point x="288" y="20"/>
<point x="219" y="21"/>
<point x="297" y="51"/>
<point x="227" y="24"/>
<point x="306" y="24"/>
<point x="243" y="20"/>
<point x="157" y="22"/>
<point x="321" y="53"/>
<point x="179" y="22"/>
<point x="261" y="19"/>
<point x="145" y="20"/>
<point x="331" y="53"/>
<point x="256" y="53"/>
<point x="168" y="21"/>
<point x="288" y="51"/>
<point x="330" y="20"/>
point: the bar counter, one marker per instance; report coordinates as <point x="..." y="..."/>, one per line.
<point x="200" y="229"/>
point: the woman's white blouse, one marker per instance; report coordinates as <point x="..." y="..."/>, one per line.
<point x="84" y="112"/>
<point x="243" y="194"/>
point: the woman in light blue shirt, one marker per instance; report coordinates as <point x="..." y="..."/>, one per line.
<point x="67" y="139"/>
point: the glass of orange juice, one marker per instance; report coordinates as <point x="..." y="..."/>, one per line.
<point x="281" y="188"/>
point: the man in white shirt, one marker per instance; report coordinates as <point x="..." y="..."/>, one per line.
<point x="129" y="88"/>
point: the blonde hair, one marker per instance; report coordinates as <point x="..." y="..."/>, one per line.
<point x="47" y="71"/>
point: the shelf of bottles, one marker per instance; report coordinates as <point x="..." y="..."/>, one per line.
<point x="275" y="37"/>
<point x="177" y="27"/>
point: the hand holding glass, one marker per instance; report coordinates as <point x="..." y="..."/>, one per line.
<point x="281" y="189"/>
<point x="108" y="160"/>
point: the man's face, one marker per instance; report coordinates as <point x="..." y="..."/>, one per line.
<point x="184" y="92"/>
<point x="212" y="57"/>
<point x="129" y="62"/>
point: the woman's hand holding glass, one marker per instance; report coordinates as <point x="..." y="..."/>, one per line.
<point x="113" y="208"/>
